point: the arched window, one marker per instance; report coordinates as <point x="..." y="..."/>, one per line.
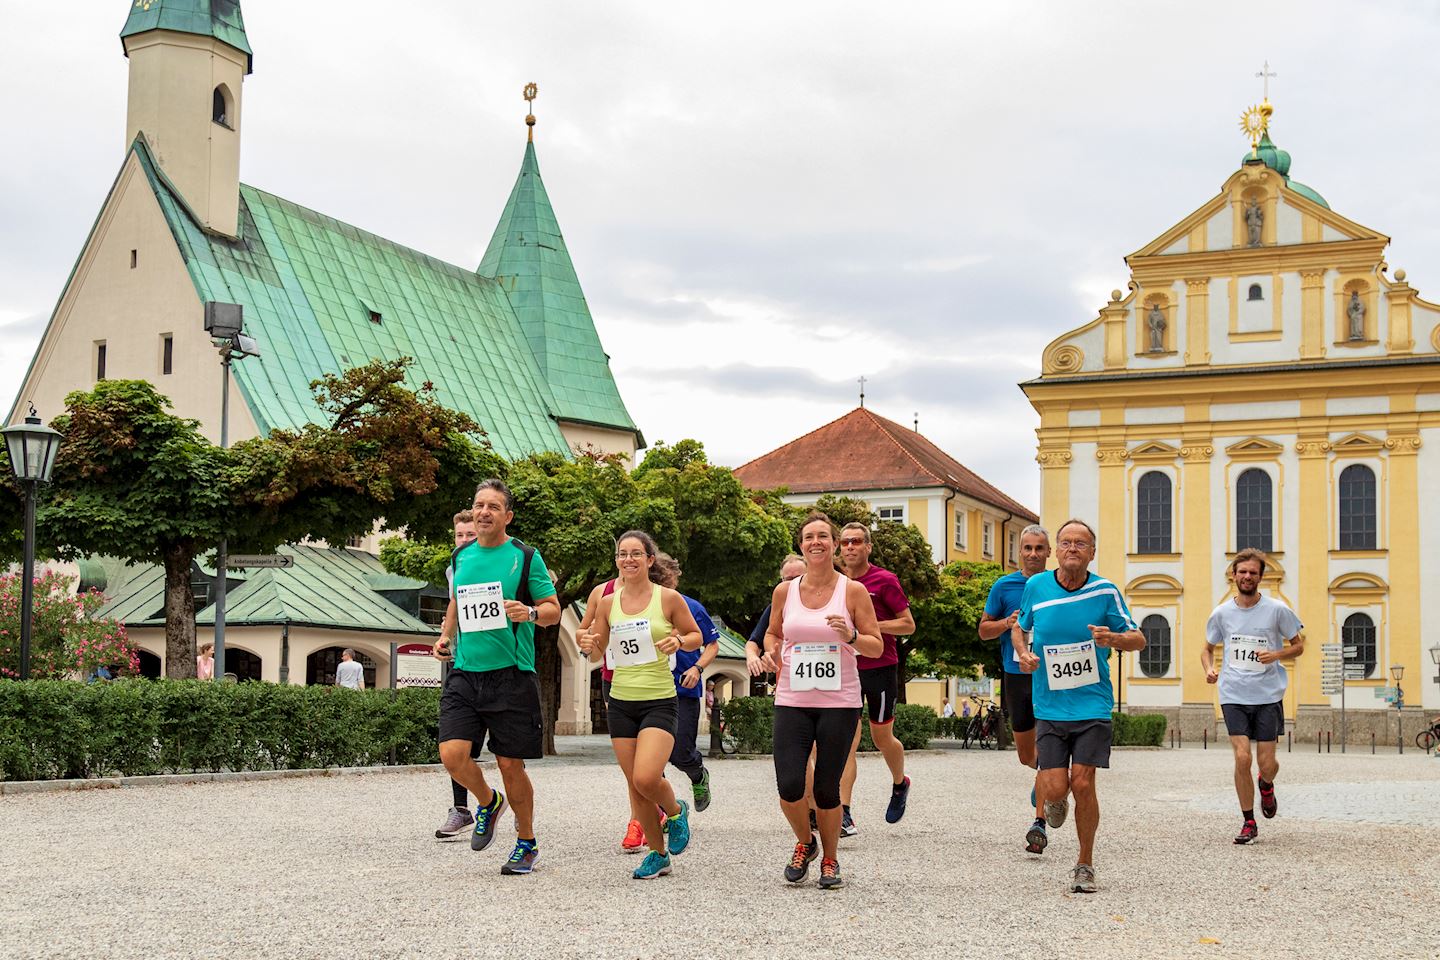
<point x="242" y="663"/>
<point x="1256" y="293"/>
<point x="320" y="666"/>
<point x="1155" y="658"/>
<point x="220" y="106"/>
<point x="1359" y="630"/>
<point x="1357" y="508"/>
<point x="1153" y="506"/>
<point x="1254" y="511"/>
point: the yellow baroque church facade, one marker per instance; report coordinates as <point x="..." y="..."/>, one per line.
<point x="1266" y="381"/>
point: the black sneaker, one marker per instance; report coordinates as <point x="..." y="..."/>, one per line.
<point x="485" y="820"/>
<point x="847" y="825"/>
<point x="830" y="874"/>
<point x="1268" y="804"/>
<point x="1035" y="838"/>
<point x="799" y="864"/>
<point x="1248" y="833"/>
<point x="898" y="795"/>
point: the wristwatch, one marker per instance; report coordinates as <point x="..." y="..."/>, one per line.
<point x="534" y="614"/>
<point x="854" y="635"/>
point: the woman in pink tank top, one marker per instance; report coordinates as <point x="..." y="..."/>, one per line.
<point x="817" y="626"/>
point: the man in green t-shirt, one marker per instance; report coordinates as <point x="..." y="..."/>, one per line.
<point x="501" y="591"/>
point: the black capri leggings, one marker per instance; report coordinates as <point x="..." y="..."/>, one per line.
<point x="830" y="730"/>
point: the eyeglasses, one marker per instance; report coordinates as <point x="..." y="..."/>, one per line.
<point x="852" y="541"/>
<point x="632" y="555"/>
<point x="1074" y="544"/>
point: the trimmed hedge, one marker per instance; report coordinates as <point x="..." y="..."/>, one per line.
<point x="59" y="729"/>
<point x="1139" y="729"/>
<point x="751" y="721"/>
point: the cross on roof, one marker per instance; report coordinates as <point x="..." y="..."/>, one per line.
<point x="1265" y="74"/>
<point x="861" y="381"/>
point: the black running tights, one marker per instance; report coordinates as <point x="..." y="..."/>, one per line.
<point x="830" y="730"/>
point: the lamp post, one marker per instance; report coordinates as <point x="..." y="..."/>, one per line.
<point x="224" y="321"/>
<point x="1435" y="658"/>
<point x="32" y="447"/>
<point x="1397" y="670"/>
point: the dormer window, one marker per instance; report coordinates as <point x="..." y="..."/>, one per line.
<point x="220" y="106"/>
<point x="1255" y="292"/>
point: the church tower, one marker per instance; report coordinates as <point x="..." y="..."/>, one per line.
<point x="188" y="60"/>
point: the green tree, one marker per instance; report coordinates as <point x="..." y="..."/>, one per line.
<point x="947" y="623"/>
<point x="134" y="481"/>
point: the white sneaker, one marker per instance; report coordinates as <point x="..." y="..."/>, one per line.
<point x="1056" y="811"/>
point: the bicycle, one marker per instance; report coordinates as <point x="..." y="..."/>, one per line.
<point x="1427" y="739"/>
<point x="728" y="744"/>
<point x="984" y="727"/>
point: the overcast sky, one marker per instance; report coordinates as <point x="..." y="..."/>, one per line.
<point x="765" y="201"/>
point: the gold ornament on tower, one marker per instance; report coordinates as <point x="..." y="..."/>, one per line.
<point x="1254" y="122"/>
<point x="531" y="90"/>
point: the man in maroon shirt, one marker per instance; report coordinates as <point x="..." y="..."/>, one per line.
<point x="879" y="676"/>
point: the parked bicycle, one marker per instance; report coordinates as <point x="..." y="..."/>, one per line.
<point x="984" y="728"/>
<point x="1427" y="739"/>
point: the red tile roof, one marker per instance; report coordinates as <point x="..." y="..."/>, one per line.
<point x="862" y="451"/>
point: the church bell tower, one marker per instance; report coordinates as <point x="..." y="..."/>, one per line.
<point x="188" y="61"/>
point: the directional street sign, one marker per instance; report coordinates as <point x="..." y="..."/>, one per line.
<point x="1330" y="647"/>
<point x="278" y="561"/>
<point x="1356" y="672"/>
<point x="1351" y="652"/>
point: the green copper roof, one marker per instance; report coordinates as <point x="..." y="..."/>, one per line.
<point x="220" y="19"/>
<point x="325" y="588"/>
<point x="527" y="256"/>
<point x="310" y="285"/>
<point x="1306" y="192"/>
<point x="1279" y="161"/>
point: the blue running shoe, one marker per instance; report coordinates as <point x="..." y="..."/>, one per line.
<point x="522" y="858"/>
<point x="485" y="820"/>
<point x="899" y="794"/>
<point x="654" y="865"/>
<point x="677" y="830"/>
<point x="1035" y="838"/>
<point x="1032" y="798"/>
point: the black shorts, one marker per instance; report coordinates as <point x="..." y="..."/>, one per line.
<point x="880" y="686"/>
<point x="626" y="718"/>
<point x="504" y="703"/>
<point x="1017" y="697"/>
<point x="1261" y="722"/>
<point x="1060" y="743"/>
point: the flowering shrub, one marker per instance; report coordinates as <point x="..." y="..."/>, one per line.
<point x="66" y="641"/>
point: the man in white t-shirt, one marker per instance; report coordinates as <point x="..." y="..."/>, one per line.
<point x="349" y="673"/>
<point x="1256" y="632"/>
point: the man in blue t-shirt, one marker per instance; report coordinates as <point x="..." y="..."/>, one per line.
<point x="1002" y="610"/>
<point x="1073" y="620"/>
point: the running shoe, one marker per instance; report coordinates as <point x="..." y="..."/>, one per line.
<point x="1082" y="878"/>
<point x="677" y="830"/>
<point x="702" y="791"/>
<point x="522" y="858"/>
<point x="799" y="864"/>
<point x="485" y="820"/>
<point x="457" y="821"/>
<point x="1248" y="833"/>
<point x="830" y="874"/>
<point x="1032" y="798"/>
<point x="1056" y="811"/>
<point x="1035" y="838"/>
<point x="1268" y="804"/>
<point x="655" y="864"/>
<point x="634" y="841"/>
<point x="898" y="795"/>
<point x="847" y="825"/>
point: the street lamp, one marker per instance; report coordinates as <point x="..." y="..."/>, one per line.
<point x="1397" y="670"/>
<point x="224" y="321"/>
<point x="32" y="447"/>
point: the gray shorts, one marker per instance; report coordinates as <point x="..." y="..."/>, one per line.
<point x="1060" y="743"/>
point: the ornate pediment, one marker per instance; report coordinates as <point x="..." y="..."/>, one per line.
<point x="1152" y="451"/>
<point x="1357" y="444"/>
<point x="1255" y="448"/>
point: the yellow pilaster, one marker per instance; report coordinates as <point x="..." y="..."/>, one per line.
<point x="1197" y="321"/>
<point x="1198" y="559"/>
<point x="1114" y="316"/>
<point x="1312" y="314"/>
<point x="1401" y="339"/>
<point x="1312" y="572"/>
<point x="1111" y="452"/>
<point x="1404" y="498"/>
<point x="918" y="513"/>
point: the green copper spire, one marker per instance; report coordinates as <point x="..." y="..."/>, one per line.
<point x="527" y="255"/>
<point x="220" y="19"/>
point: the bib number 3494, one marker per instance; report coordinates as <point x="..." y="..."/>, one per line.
<point x="815" y="666"/>
<point x="481" y="606"/>
<point x="1071" y="665"/>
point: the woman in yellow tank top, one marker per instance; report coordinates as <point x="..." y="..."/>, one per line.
<point x="642" y="624"/>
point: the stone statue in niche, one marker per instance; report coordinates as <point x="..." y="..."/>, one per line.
<point x="1254" y="222"/>
<point x="1155" y="320"/>
<point x="1356" y="312"/>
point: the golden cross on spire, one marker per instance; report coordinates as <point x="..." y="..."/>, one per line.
<point x="1255" y="121"/>
<point x="531" y="90"/>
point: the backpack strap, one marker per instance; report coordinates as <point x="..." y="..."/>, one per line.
<point x="522" y="592"/>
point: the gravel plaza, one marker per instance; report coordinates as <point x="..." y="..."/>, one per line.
<point x="344" y="866"/>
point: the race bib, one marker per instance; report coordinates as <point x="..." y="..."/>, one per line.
<point x="631" y="643"/>
<point x="481" y="607"/>
<point x="1071" y="665"/>
<point x="815" y="666"/>
<point x="1242" y="653"/>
